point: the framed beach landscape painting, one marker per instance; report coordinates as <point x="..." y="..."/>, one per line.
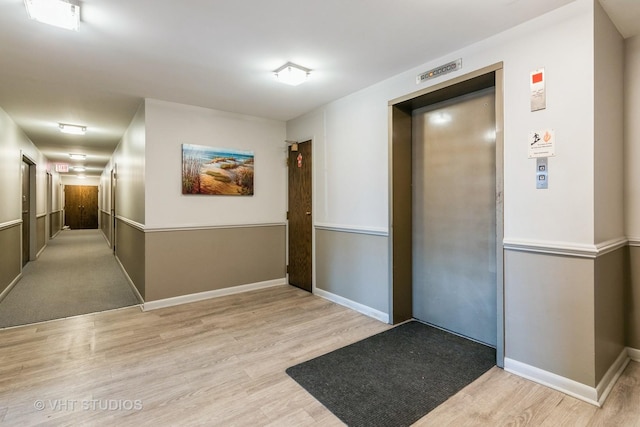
<point x="216" y="171"/>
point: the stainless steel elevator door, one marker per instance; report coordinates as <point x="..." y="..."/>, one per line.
<point x="454" y="216"/>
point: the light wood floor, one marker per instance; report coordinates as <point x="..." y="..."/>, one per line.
<point x="222" y="362"/>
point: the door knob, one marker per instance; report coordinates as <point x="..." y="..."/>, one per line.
<point x="308" y="212"/>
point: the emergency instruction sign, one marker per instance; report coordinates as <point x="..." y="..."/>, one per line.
<point x="542" y="143"/>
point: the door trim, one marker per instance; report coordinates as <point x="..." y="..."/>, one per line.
<point x="33" y="235"/>
<point x="400" y="198"/>
<point x="113" y="185"/>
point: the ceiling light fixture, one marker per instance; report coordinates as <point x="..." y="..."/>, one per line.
<point x="54" y="12"/>
<point x="79" y="169"/>
<point x="78" y="156"/>
<point x="292" y="74"/>
<point x="72" y="129"/>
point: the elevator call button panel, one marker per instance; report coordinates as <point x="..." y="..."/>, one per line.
<point x="542" y="173"/>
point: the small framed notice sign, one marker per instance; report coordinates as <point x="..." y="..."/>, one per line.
<point x="538" y="90"/>
<point x="542" y="143"/>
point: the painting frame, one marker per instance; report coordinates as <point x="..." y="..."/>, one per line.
<point x="216" y="171"/>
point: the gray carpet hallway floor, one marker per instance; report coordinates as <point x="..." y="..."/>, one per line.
<point x="75" y="274"/>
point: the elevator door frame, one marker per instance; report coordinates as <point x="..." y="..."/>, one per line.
<point x="400" y="197"/>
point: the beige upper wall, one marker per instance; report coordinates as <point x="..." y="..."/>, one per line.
<point x="129" y="161"/>
<point x="608" y="129"/>
<point x="351" y="134"/>
<point x="74" y="180"/>
<point x="632" y="138"/>
<point x="169" y="125"/>
<point x="13" y="145"/>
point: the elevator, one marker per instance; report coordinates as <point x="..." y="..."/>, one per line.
<point x="453" y="164"/>
<point x="446" y="208"/>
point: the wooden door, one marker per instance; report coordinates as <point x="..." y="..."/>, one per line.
<point x="81" y="206"/>
<point x="300" y="216"/>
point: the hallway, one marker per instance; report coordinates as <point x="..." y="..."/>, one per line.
<point x="75" y="274"/>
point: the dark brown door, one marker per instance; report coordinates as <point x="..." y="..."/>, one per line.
<point x="26" y="197"/>
<point x="81" y="206"/>
<point x="300" y="218"/>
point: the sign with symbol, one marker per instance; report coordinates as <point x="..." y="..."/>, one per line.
<point x="299" y="158"/>
<point x="542" y="143"/>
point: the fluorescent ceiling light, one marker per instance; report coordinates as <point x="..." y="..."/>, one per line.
<point x="54" y="12"/>
<point x="78" y="156"/>
<point x="79" y="169"/>
<point x="72" y="129"/>
<point x="292" y="74"/>
<point x="82" y="177"/>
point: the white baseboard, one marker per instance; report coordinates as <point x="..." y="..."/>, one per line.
<point x="133" y="285"/>
<point x="360" y="308"/>
<point x="184" y="299"/>
<point x="11" y="285"/>
<point x="609" y="380"/>
<point x="634" y="354"/>
<point x="593" y="395"/>
<point x="554" y="381"/>
<point x="40" y="251"/>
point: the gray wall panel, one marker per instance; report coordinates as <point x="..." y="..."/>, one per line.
<point x="105" y="225"/>
<point x="41" y="232"/>
<point x="632" y="299"/>
<point x="56" y="222"/>
<point x="353" y="266"/>
<point x="184" y="262"/>
<point x="549" y="314"/>
<point x="130" y="250"/>
<point x="10" y="259"/>
<point x="610" y="275"/>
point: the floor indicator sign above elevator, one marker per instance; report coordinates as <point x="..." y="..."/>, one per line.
<point x="438" y="71"/>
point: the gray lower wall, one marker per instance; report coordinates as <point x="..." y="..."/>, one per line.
<point x="130" y="250"/>
<point x="566" y="315"/>
<point x="105" y="225"/>
<point x="10" y="258"/>
<point x="183" y="262"/>
<point x="610" y="279"/>
<point x="550" y="313"/>
<point x="56" y="222"/>
<point x="353" y="266"/>
<point x="41" y="232"/>
<point x="632" y="299"/>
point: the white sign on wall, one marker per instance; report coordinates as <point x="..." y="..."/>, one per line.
<point x="538" y="91"/>
<point x="62" y="167"/>
<point x="542" y="143"/>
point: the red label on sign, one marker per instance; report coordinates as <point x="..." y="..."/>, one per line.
<point x="536" y="78"/>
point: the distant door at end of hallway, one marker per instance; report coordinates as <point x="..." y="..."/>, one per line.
<point x="81" y="206"/>
<point x="299" y="215"/>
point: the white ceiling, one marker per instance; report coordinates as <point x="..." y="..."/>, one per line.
<point x="220" y="54"/>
